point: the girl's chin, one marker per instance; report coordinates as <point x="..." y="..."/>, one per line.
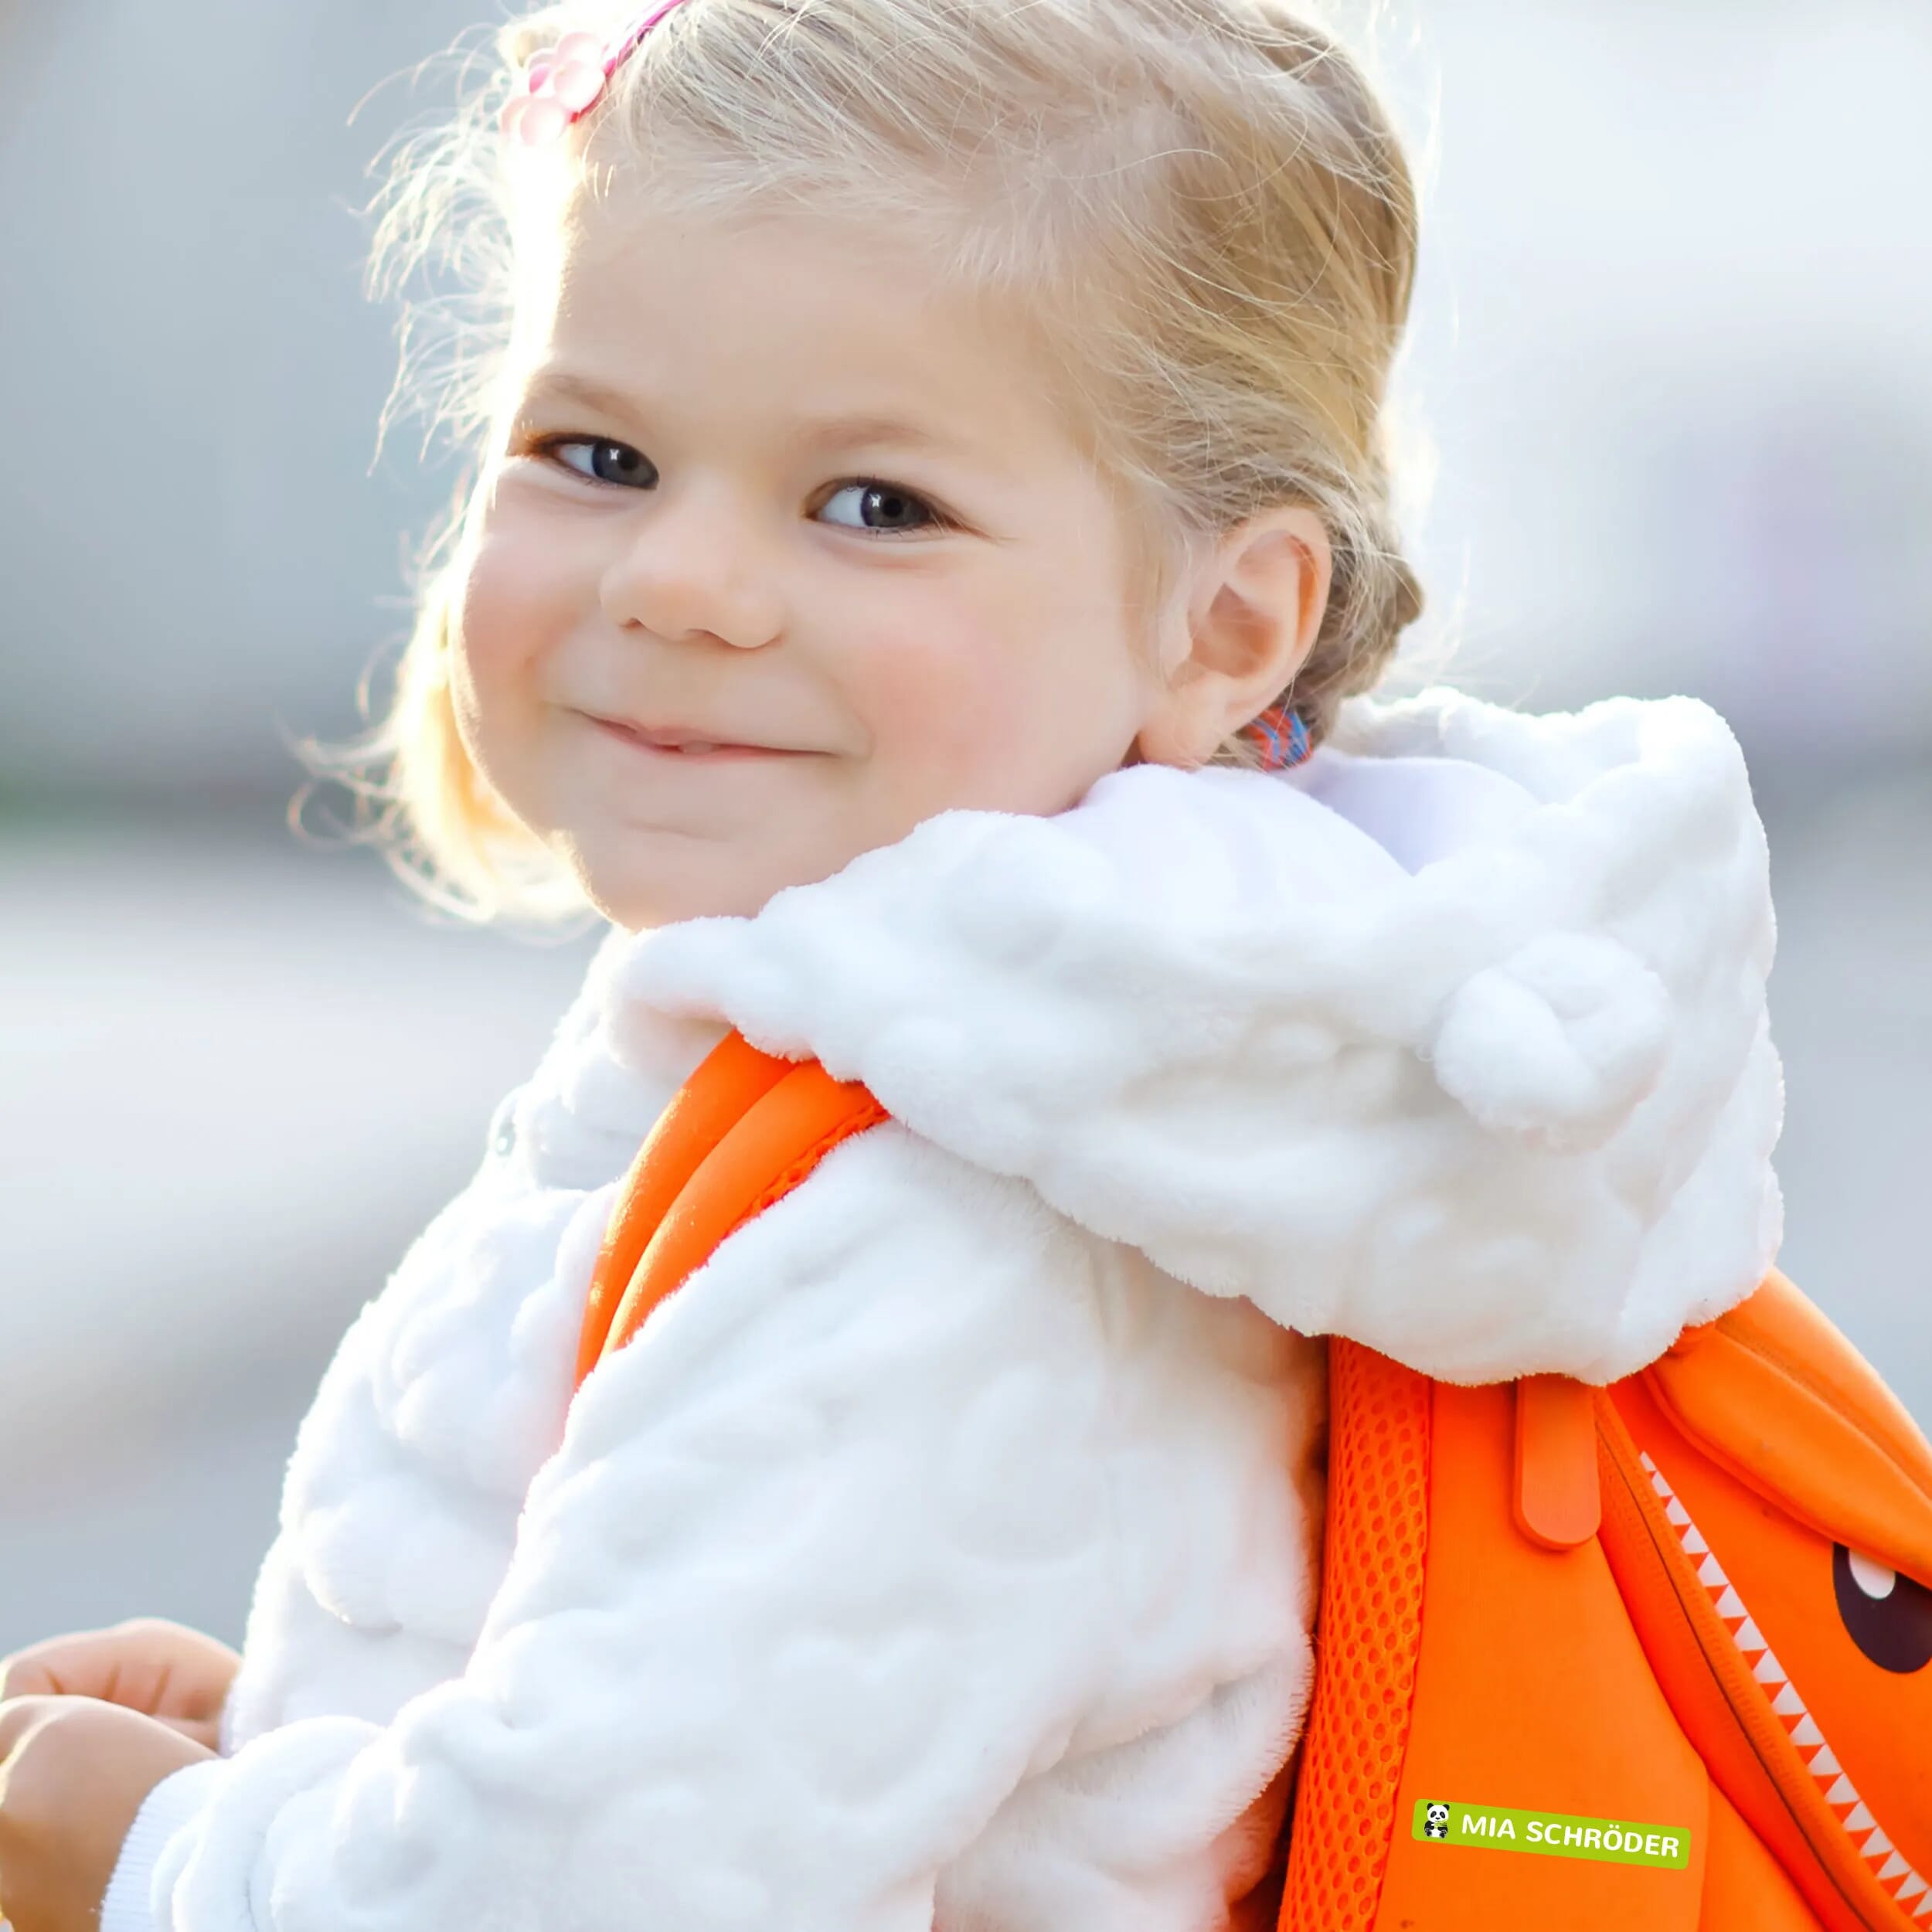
<point x="641" y="898"/>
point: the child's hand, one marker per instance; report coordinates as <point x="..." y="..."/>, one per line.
<point x="73" y="1773"/>
<point x="163" y="1670"/>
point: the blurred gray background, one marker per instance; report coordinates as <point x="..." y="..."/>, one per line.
<point x="1670" y="351"/>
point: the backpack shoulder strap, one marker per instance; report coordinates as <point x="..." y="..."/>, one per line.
<point x="742" y="1131"/>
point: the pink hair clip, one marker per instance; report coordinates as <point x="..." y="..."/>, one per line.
<point x="561" y="84"/>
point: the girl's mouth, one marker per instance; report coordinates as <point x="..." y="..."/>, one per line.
<point x="689" y="751"/>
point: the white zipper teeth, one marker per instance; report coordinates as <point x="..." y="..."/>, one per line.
<point x="1908" y="1890"/>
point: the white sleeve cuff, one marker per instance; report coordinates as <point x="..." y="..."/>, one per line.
<point x="170" y="1805"/>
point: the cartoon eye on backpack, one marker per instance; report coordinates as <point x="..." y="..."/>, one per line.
<point x="1889" y="1616"/>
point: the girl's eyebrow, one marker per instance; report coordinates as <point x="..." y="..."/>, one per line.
<point x="562" y="385"/>
<point x="809" y="432"/>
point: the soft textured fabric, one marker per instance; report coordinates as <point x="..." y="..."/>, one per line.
<point x="942" y="1553"/>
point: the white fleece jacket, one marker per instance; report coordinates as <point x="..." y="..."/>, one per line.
<point x="944" y="1553"/>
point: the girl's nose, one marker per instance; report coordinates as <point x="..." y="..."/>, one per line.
<point x="690" y="567"/>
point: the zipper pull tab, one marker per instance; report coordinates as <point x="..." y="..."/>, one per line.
<point x="1556" y="1501"/>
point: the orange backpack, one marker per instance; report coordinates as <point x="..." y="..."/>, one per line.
<point x="1657" y="1655"/>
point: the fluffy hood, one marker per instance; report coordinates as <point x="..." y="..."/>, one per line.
<point x="1454" y="1040"/>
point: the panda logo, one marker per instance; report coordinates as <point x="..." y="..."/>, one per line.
<point x="1435" y="1820"/>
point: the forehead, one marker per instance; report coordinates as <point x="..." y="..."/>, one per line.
<point x="785" y="317"/>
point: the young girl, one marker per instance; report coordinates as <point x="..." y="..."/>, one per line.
<point x="933" y="512"/>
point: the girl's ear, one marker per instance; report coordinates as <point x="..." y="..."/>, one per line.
<point x="1254" y="609"/>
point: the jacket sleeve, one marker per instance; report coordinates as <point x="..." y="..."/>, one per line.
<point x="171" y="1806"/>
<point x="822" y="1571"/>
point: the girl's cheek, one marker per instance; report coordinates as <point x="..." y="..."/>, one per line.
<point x="513" y="600"/>
<point x="1011" y="702"/>
<point x="934" y="701"/>
<point x="510" y="608"/>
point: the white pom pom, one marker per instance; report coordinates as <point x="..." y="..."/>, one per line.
<point x="1560" y="1043"/>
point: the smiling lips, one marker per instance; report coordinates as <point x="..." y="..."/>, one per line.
<point x="684" y="744"/>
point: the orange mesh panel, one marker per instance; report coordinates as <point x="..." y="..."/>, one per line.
<point x="1366" y="1643"/>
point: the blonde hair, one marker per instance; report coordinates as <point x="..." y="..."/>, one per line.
<point x="1202" y="203"/>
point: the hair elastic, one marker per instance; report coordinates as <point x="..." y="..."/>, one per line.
<point x="561" y="84"/>
<point x="1282" y="735"/>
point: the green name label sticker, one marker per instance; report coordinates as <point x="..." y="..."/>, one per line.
<point x="1552" y="1835"/>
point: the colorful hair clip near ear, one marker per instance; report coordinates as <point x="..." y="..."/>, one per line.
<point x="1281" y="735"/>
<point x="561" y="84"/>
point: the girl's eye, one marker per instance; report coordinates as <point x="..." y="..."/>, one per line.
<point x="870" y="504"/>
<point x="608" y="462"/>
<point x="883" y="506"/>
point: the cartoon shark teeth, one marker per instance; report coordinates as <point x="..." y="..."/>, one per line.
<point x="1909" y="1891"/>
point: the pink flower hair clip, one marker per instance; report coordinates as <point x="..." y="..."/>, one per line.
<point x="561" y="84"/>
